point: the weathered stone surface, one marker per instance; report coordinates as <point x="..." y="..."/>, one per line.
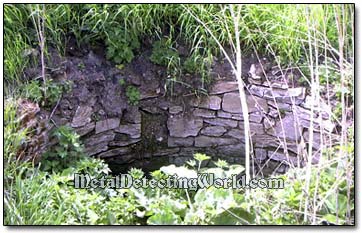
<point x="280" y="106"/>
<point x="175" y="142"/>
<point x="231" y="103"/>
<point x="91" y="150"/>
<point x="175" y="109"/>
<point x="254" y="128"/>
<point x="133" y="130"/>
<point x="211" y="102"/>
<point x="205" y="113"/>
<point x="213" y="131"/>
<point x="291" y="130"/>
<point x="124" y="142"/>
<point x="279" y="156"/>
<point x="107" y="124"/>
<point x="184" y="127"/>
<point x="82" y="116"/>
<point x="114" y="153"/>
<point x="256" y="117"/>
<point x="223" y="87"/>
<point x="99" y="138"/>
<point x="222" y="122"/>
<point x="132" y="115"/>
<point x="85" y="129"/>
<point x="237" y="150"/>
<point x="260" y="154"/>
<point x="205" y="141"/>
<point x="236" y="133"/>
<point x="268" y="123"/>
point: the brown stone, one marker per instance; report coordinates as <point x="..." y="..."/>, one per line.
<point x="82" y="116"/>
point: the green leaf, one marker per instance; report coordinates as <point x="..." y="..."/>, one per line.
<point x="233" y="216"/>
<point x="165" y="217"/>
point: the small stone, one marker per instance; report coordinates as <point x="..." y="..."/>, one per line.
<point x="237" y="150"/>
<point x="260" y="154"/>
<point x="223" y="87"/>
<point x="175" y="109"/>
<point x="82" y="116"/>
<point x="133" y="130"/>
<point x="222" y="122"/>
<point x="289" y="125"/>
<point x="179" y="126"/>
<point x="175" y="142"/>
<point x="223" y="114"/>
<point x="268" y="123"/>
<point x="204" y="113"/>
<point x="107" y="124"/>
<point x="254" y="128"/>
<point x="256" y="117"/>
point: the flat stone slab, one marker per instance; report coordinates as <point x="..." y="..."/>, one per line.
<point x="211" y="102"/>
<point x="223" y="87"/>
<point x="133" y="130"/>
<point x="182" y="127"/>
<point x="215" y="131"/>
<point x="118" y="152"/>
<point x="175" y="142"/>
<point x="292" y="130"/>
<point x="107" y="124"/>
<point x="175" y="109"/>
<point x="231" y="103"/>
<point x="100" y="138"/>
<point x="205" y="141"/>
<point x="82" y="116"/>
<point x="222" y="122"/>
<point x="85" y="129"/>
<point x="124" y="142"/>
<point x="205" y="113"/>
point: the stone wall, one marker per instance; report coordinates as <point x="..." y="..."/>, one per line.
<point x="161" y="130"/>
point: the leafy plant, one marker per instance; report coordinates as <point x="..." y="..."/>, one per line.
<point x="65" y="153"/>
<point x="133" y="95"/>
<point x="121" y="45"/>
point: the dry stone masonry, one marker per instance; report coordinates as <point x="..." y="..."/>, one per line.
<point x="162" y="130"/>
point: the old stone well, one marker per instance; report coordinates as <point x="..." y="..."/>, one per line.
<point x="159" y="129"/>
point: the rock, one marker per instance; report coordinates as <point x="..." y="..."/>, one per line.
<point x="118" y="152"/>
<point x="268" y="123"/>
<point x="236" y="133"/>
<point x="107" y="124"/>
<point x="280" y="106"/>
<point x="182" y="127"/>
<point x="223" y="114"/>
<point x="85" y="129"/>
<point x="133" y="130"/>
<point x="260" y="154"/>
<point x="291" y="130"/>
<point x="215" y="131"/>
<point x="211" y="102"/>
<point x="222" y="122"/>
<point x="205" y="141"/>
<point x="132" y="115"/>
<point x="256" y="117"/>
<point x="175" y="142"/>
<point x="124" y="142"/>
<point x="100" y="138"/>
<point x="231" y="103"/>
<point x="175" y="109"/>
<point x="204" y="113"/>
<point x="254" y="128"/>
<point x="82" y="116"/>
<point x="93" y="150"/>
<point x="223" y="87"/>
<point x="237" y="150"/>
<point x="149" y="94"/>
<point x="281" y="157"/>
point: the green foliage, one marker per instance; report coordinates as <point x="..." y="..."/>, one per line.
<point x="133" y="95"/>
<point x="65" y="153"/>
<point x="121" y="45"/>
<point x="163" y="54"/>
<point x="48" y="94"/>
